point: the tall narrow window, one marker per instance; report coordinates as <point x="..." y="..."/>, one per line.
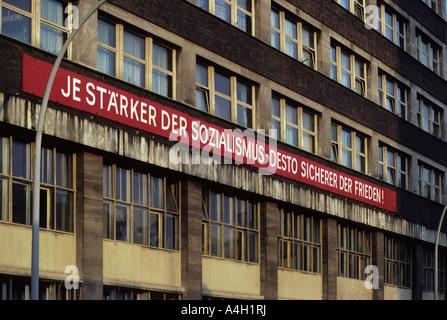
<point x="429" y="182"/>
<point x="240" y="13"/>
<point x="293" y="38"/>
<point x="392" y="95"/>
<point x="57" y="189"/>
<point x="225" y="95"/>
<point x="393" y="167"/>
<point x="140" y="208"/>
<point x="356" y="7"/>
<point x="391" y="25"/>
<point x="299" y="242"/>
<point x="428" y="52"/>
<point x="429" y="117"/>
<point x="433" y="4"/>
<point x="348" y="69"/>
<point x="397" y="263"/>
<point x="294" y="124"/>
<point x="135" y="58"/>
<point x="230" y="227"/>
<point x="40" y="23"/>
<point x="348" y="148"/>
<point x="353" y="252"/>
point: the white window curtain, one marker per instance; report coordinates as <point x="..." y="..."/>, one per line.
<point x="51" y="39"/>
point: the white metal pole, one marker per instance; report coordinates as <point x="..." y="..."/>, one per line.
<point x="37" y="159"/>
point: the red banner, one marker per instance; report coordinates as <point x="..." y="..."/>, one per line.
<point x="88" y="95"/>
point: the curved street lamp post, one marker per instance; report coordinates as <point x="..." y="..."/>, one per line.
<point x="37" y="157"/>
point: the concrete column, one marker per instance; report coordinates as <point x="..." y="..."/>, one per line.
<point x="378" y="257"/>
<point x="186" y="77"/>
<point x="324" y="136"/>
<point x="324" y="52"/>
<point x="373" y="156"/>
<point x="191" y="248"/>
<point x="269" y="250"/>
<point x="417" y="271"/>
<point x="89" y="224"/>
<point x="84" y="49"/>
<point x="263" y="114"/>
<point x="329" y="263"/>
<point x="262" y="20"/>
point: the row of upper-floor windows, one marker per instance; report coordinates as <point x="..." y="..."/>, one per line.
<point x="151" y="64"/>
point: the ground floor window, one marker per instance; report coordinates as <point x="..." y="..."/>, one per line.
<point x="397" y="263"/>
<point x="230" y="227"/>
<point x="353" y="252"/>
<point x="19" y="288"/>
<point x="141" y="208"/>
<point x="299" y="242"/>
<point x="119" y="293"/>
<point x="57" y="187"/>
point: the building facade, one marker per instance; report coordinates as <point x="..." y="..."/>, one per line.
<point x="223" y="149"/>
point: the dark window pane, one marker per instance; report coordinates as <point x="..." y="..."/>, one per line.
<point x="21" y="209"/>
<point x="64" y="210"/>
<point x="16" y="25"/>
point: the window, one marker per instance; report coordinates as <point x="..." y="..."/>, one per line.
<point x="391" y="25"/>
<point x="134" y="58"/>
<point x="428" y="269"/>
<point x="295" y="125"/>
<point x="300" y="242"/>
<point x="393" y="167"/>
<point x="230" y="227"/>
<point x="353" y="252"/>
<point x="40" y="23"/>
<point x="240" y="13"/>
<point x="348" y="69"/>
<point x="293" y="38"/>
<point x="56" y="191"/>
<point x="397" y="263"/>
<point x="120" y="293"/>
<point x="348" y="148"/>
<point x="357" y="7"/>
<point x="224" y="95"/>
<point x="141" y="208"/>
<point x="392" y="95"/>
<point x="429" y="182"/>
<point x="427" y="53"/>
<point x="429" y="117"/>
<point x="433" y="4"/>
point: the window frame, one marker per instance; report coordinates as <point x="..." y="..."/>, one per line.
<point x="283" y="103"/>
<point x="211" y="93"/>
<point x="362" y="258"/>
<point x="353" y="5"/>
<point x="36" y="21"/>
<point x="384" y="95"/>
<point x="287" y="242"/>
<point x="383" y="10"/>
<point x="48" y="220"/>
<point x="386" y="166"/>
<point x="433" y="187"/>
<point x="398" y="263"/>
<point x="354" y="77"/>
<point x="161" y="213"/>
<point x="239" y="250"/>
<point x="432" y="108"/>
<point x="283" y="17"/>
<point x="147" y="62"/>
<point x="338" y="147"/>
<point x="432" y="47"/>
<point x="211" y="8"/>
